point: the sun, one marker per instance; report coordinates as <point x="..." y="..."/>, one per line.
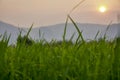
<point x="102" y="9"/>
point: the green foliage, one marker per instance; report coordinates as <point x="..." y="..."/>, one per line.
<point x="25" y="39"/>
<point x="63" y="60"/>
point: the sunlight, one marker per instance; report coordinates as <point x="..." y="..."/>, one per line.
<point x="102" y="9"/>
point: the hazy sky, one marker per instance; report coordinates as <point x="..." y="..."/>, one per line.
<point x="48" y="12"/>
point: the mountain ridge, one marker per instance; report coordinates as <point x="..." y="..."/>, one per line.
<point x="56" y="31"/>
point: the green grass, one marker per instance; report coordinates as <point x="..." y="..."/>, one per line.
<point x="63" y="60"/>
<point x="95" y="60"/>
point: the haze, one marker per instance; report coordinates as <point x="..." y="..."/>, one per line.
<point x="48" y="12"/>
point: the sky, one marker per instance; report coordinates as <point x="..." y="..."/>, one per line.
<point x="23" y="13"/>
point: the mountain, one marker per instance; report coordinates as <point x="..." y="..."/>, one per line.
<point x="89" y="31"/>
<point x="10" y="29"/>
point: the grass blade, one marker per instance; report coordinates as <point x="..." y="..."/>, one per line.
<point x="76" y="6"/>
<point x="29" y="30"/>
<point x="39" y="34"/>
<point x="107" y="29"/>
<point x="65" y="29"/>
<point x="77" y="29"/>
<point x="96" y="35"/>
<point x="72" y="37"/>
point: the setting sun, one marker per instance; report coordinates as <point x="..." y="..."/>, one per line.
<point x="102" y="9"/>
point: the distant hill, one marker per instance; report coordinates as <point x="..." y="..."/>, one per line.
<point x="10" y="29"/>
<point x="89" y="31"/>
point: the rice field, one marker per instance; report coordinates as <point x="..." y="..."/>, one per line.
<point x="60" y="60"/>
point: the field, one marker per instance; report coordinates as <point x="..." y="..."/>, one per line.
<point x="63" y="60"/>
<point x="60" y="60"/>
<point x="95" y="60"/>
